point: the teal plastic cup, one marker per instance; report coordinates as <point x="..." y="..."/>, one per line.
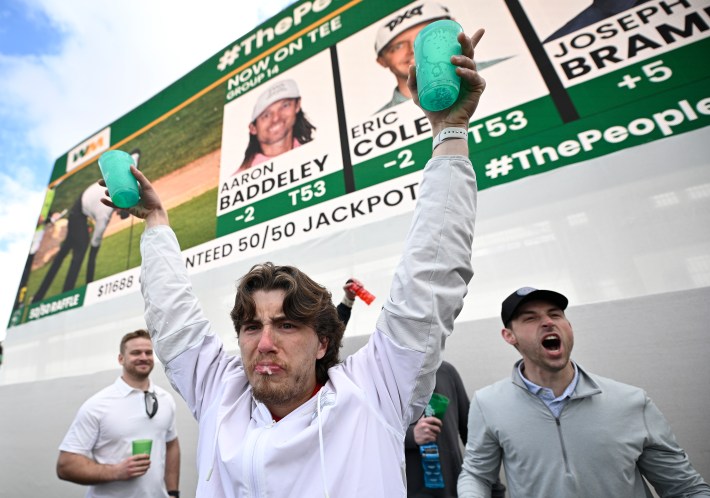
<point x="437" y="82"/>
<point x="115" y="166"/>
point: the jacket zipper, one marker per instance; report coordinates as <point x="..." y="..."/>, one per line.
<point x="256" y="467"/>
<point x="559" y="429"/>
<point x="562" y="444"/>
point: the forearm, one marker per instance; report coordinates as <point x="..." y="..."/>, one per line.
<point x="183" y="339"/>
<point x="172" y="465"/>
<point x="482" y="457"/>
<point x="664" y="463"/>
<point x="431" y="280"/>
<point x="344" y="312"/>
<point x="469" y="486"/>
<point x="82" y="470"/>
<point x="172" y="312"/>
<point x="409" y="442"/>
<point x="157" y="217"/>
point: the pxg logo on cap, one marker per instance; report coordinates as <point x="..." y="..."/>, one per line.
<point x="407" y="18"/>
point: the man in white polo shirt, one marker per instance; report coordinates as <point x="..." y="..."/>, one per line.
<point x="97" y="450"/>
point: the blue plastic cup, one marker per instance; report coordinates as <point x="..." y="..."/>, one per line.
<point x="122" y="186"/>
<point x="437" y="82"/>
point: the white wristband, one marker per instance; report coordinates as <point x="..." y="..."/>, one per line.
<point x="449" y="134"/>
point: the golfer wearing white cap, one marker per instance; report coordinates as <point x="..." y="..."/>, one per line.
<point x="277" y="125"/>
<point x="394" y="43"/>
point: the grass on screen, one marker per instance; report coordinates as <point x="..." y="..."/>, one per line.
<point x="194" y="223"/>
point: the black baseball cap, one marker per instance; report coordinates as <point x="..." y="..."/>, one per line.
<point x="525" y="294"/>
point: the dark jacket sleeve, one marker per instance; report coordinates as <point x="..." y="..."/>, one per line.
<point x="463" y="405"/>
<point x="344" y="313"/>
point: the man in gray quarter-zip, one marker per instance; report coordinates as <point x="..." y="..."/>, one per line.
<point x="561" y="431"/>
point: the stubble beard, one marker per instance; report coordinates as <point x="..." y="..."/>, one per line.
<point x="138" y="374"/>
<point x="277" y="389"/>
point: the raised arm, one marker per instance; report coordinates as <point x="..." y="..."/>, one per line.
<point x="431" y="279"/>
<point x="173" y="315"/>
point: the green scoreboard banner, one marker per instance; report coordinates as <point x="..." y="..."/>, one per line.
<point x="300" y="129"/>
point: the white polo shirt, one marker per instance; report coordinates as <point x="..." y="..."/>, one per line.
<point x="105" y="427"/>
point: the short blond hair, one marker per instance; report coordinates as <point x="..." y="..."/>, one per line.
<point x="133" y="335"/>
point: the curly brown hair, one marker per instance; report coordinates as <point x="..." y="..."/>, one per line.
<point x="305" y="302"/>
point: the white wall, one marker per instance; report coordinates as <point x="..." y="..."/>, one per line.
<point x="640" y="341"/>
<point x="625" y="237"/>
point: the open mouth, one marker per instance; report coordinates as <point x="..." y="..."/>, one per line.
<point x="551" y="342"/>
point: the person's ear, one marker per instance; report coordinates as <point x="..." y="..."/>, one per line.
<point x="252" y="129"/>
<point x="508" y="336"/>
<point x="322" y="347"/>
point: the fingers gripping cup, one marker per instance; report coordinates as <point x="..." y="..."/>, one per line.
<point x="437" y="82"/>
<point x="142" y="446"/>
<point x="122" y="186"/>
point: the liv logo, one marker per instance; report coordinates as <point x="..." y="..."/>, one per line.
<point x="89" y="149"/>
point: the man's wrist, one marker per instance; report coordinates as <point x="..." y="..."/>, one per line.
<point x="450" y="133"/>
<point x="175" y="493"/>
<point x="157" y="217"/>
<point x="436" y="128"/>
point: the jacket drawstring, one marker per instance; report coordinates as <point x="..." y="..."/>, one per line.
<point x="320" y="443"/>
<point x="214" y="448"/>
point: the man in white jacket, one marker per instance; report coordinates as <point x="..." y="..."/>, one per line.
<point x="286" y="417"/>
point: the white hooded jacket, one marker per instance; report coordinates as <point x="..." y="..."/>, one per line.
<point x="347" y="441"/>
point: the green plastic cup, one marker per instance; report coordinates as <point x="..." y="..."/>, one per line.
<point x="437" y="82"/>
<point x="115" y="166"/>
<point x="438" y="404"/>
<point x="142" y="446"/>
